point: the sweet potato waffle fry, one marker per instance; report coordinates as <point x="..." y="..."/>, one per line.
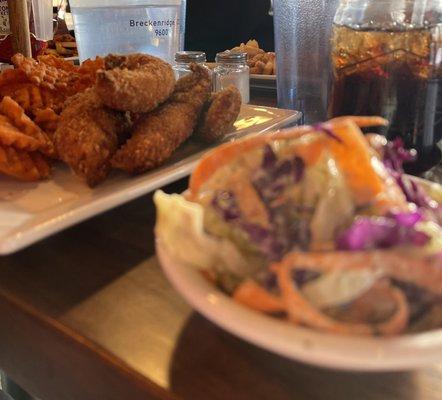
<point x="47" y="119"/>
<point x="12" y="136"/>
<point x="42" y="86"/>
<point x="54" y="73"/>
<point x="23" y="165"/>
<point x="17" y="117"/>
<point x="58" y="63"/>
<point x="13" y="77"/>
<point x="40" y="73"/>
<point x="22" y="143"/>
<point x="33" y="98"/>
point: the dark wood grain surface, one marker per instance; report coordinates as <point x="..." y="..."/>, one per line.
<point x="87" y="314"/>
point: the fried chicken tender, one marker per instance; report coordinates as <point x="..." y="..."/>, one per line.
<point x="135" y="82"/>
<point x="219" y="115"/>
<point x="158" y="134"/>
<point x="87" y="136"/>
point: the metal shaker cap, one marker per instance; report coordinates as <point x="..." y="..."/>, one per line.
<point x="190" y="56"/>
<point x="231" y="57"/>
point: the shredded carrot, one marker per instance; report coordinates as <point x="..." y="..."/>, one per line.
<point x="255" y="296"/>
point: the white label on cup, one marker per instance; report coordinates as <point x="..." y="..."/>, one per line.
<point x="149" y="29"/>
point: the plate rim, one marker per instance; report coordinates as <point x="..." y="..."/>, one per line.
<point x="13" y="242"/>
<point x="207" y="300"/>
<point x="262" y="77"/>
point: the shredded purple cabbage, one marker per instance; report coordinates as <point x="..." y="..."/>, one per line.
<point x="270" y="181"/>
<point x="269" y="158"/>
<point x="270" y="280"/>
<point x="383" y="232"/>
<point x="395" y="155"/>
<point x="225" y="203"/>
<point x="273" y="176"/>
<point x="406" y="220"/>
<point x="303" y="276"/>
<point x="267" y="241"/>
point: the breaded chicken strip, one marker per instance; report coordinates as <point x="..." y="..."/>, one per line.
<point x="87" y="136"/>
<point x="158" y="134"/>
<point x="219" y="115"/>
<point x="135" y="82"/>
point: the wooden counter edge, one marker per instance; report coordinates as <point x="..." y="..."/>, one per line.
<point x="54" y="362"/>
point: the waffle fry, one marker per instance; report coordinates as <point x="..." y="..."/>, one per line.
<point x="58" y="63"/>
<point x="41" y="74"/>
<point x="47" y="120"/>
<point x="13" y="116"/>
<point x="20" y="92"/>
<point x="12" y="76"/>
<point x="56" y="74"/>
<point x="31" y="97"/>
<point x="23" y="165"/>
<point x="12" y="136"/>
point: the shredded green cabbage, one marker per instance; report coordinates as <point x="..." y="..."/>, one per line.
<point x="325" y="189"/>
<point x="434" y="231"/>
<point x="339" y="287"/>
<point x="179" y="227"/>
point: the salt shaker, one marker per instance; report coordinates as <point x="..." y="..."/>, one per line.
<point x="232" y="69"/>
<point x="183" y="60"/>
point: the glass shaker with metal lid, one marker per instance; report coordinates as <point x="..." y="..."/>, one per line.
<point x="232" y="69"/>
<point x="184" y="58"/>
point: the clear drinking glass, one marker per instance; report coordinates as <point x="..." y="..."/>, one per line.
<point x="302" y="39"/>
<point x="386" y="59"/>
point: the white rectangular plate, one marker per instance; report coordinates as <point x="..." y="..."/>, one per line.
<point x="30" y="212"/>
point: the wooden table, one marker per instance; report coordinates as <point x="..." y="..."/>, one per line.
<point x="88" y="315"/>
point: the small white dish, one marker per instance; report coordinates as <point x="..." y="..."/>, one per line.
<point x="351" y="353"/>
<point x="30" y="212"/>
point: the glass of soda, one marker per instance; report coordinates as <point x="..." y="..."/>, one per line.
<point x="386" y="59"/>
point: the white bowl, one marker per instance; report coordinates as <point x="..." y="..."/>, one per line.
<point x="352" y="353"/>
